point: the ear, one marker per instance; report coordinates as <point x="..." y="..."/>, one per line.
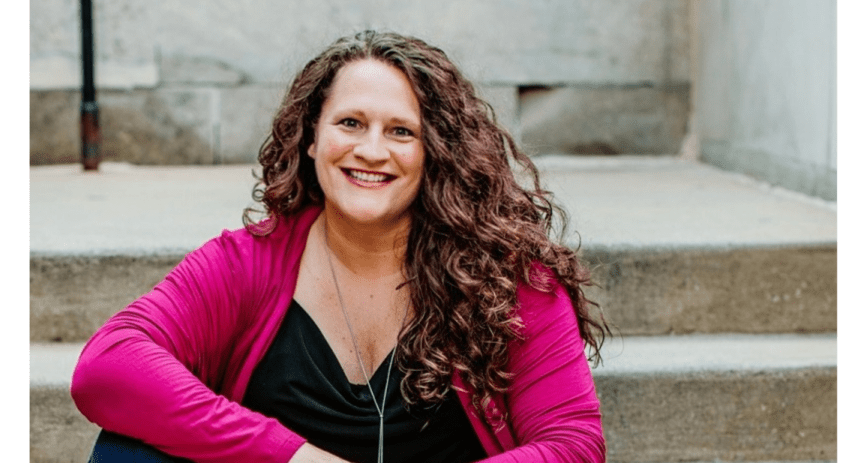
<point x="311" y="150"/>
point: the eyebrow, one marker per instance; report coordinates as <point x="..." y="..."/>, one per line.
<point x="401" y="121"/>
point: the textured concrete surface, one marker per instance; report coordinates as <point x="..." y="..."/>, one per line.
<point x="199" y="70"/>
<point x="127" y="210"/>
<point x="71" y="296"/>
<point x="675" y="247"/>
<point x="765" y="90"/>
<point x="814" y="179"/>
<point x="124" y="44"/>
<point x="55" y="135"/>
<point x="721" y="417"/>
<point x="741" y="353"/>
<point x="167" y="126"/>
<point x="505" y="101"/>
<point x="554" y="42"/>
<point x="221" y="58"/>
<point x="667" y="203"/>
<point x="614" y="203"/>
<point x="768" y="291"/>
<point x="102" y="240"/>
<point x="58" y="432"/>
<point x="51" y="364"/>
<point x="181" y="123"/>
<point x="244" y="121"/>
<point x="748" y="290"/>
<point x="719" y="398"/>
<point x="604" y="120"/>
<point x="670" y="398"/>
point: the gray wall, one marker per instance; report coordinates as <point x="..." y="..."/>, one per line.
<point x="198" y="81"/>
<point x="765" y="90"/>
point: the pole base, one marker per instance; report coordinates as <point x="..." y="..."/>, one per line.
<point x="90" y="136"/>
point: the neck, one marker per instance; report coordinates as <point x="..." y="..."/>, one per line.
<point x="367" y="250"/>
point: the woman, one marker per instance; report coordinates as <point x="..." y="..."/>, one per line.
<point x="402" y="300"/>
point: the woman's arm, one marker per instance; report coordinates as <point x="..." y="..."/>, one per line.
<point x="144" y="373"/>
<point x="553" y="409"/>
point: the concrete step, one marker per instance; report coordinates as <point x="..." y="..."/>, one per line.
<point x="664" y="399"/>
<point x="681" y="247"/>
<point x="675" y="246"/>
<point x="719" y="397"/>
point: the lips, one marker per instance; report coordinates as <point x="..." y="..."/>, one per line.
<point x="366" y="178"/>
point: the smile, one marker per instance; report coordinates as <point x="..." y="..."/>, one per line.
<point x="363" y="177"/>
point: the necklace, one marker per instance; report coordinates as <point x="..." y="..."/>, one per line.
<point x="379" y="408"/>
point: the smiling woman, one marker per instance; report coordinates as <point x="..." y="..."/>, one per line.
<point x="368" y="150"/>
<point x="402" y="298"/>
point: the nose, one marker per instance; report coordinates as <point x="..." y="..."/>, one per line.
<point x="372" y="147"/>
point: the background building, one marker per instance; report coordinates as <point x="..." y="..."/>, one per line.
<point x="198" y="82"/>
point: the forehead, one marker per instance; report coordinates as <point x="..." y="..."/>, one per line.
<point x="370" y="84"/>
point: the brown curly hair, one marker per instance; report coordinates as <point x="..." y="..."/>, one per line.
<point x="475" y="230"/>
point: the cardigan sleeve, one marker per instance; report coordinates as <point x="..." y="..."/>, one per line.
<point x="553" y="409"/>
<point x="151" y="371"/>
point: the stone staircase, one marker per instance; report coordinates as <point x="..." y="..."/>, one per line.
<point x="723" y="291"/>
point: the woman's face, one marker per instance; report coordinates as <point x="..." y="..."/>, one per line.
<point x="368" y="152"/>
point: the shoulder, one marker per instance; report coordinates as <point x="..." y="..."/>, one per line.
<point x="543" y="289"/>
<point x="242" y="259"/>
<point x="544" y="305"/>
<point x="287" y="236"/>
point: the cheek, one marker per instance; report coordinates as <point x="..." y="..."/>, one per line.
<point x="332" y="150"/>
<point x="411" y="160"/>
<point x="415" y="162"/>
<point x="339" y="149"/>
<point x="329" y="143"/>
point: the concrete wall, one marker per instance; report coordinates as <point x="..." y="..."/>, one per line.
<point x="198" y="81"/>
<point x="765" y="90"/>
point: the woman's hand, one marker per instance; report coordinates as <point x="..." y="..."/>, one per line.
<point x="308" y="453"/>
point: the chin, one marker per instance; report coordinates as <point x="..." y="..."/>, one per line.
<point x="374" y="217"/>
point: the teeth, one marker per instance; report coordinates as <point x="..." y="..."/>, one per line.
<point x="367" y="176"/>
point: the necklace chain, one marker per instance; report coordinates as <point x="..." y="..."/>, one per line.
<point x="379" y="408"/>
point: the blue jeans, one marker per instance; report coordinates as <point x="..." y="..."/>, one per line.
<point x="115" y="448"/>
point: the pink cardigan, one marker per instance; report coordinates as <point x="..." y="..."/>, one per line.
<point x="172" y="368"/>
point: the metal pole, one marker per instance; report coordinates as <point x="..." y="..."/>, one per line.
<point x="90" y="136"/>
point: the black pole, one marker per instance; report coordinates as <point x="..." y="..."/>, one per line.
<point x="90" y="136"/>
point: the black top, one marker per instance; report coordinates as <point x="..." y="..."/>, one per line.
<point x="300" y="382"/>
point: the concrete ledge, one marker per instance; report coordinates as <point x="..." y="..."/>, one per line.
<point x="72" y="296"/>
<point x="610" y="120"/>
<point x="792" y="173"/>
<point x="676" y="247"/>
<point x="719" y="398"/>
<point x="780" y="415"/>
<point x="784" y="289"/>
<point x="614" y="203"/>
<point x="715" y="353"/>
<point x="635" y="202"/>
<point x="58" y="432"/>
<point x="664" y="399"/>
<point x="161" y="126"/>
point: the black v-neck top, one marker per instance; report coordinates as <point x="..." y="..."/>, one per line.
<point x="300" y="382"/>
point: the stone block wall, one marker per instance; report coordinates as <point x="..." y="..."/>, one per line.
<point x="198" y="82"/>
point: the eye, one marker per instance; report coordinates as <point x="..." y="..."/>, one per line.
<point x="349" y="122"/>
<point x="403" y="132"/>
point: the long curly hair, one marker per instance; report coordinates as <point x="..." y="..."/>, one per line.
<point x="476" y="232"/>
